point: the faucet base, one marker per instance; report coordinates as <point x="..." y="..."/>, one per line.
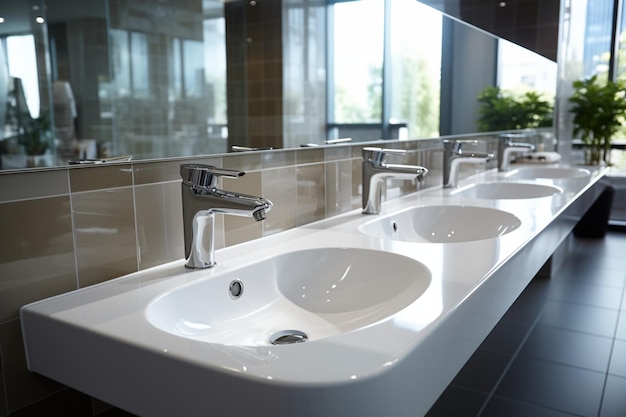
<point x="201" y="254"/>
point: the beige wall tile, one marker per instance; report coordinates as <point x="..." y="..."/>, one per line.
<point x="104" y="224"/>
<point x="244" y="161"/>
<point x="34" y="184"/>
<point x="357" y="179"/>
<point x="36" y="252"/>
<point x="240" y="229"/>
<point x="311" y="193"/>
<point x="309" y="155"/>
<point x="279" y="185"/>
<point x="98" y="178"/>
<point x="158" y="171"/>
<point x="333" y="153"/>
<point x="159" y="223"/>
<point x="278" y="158"/>
<point x="338" y="187"/>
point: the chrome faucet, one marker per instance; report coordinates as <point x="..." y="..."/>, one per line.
<point x="506" y="147"/>
<point x="202" y="200"/>
<point x="453" y="156"/>
<point x="376" y="171"/>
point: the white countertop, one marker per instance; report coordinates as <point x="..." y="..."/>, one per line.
<point x="461" y="272"/>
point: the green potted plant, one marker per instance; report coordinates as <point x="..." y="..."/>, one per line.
<point x="599" y="108"/>
<point x="36" y="138"/>
<point x="503" y="111"/>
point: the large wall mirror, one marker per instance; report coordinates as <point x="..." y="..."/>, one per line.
<point x="97" y="79"/>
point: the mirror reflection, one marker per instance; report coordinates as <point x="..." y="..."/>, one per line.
<point x="100" y="79"/>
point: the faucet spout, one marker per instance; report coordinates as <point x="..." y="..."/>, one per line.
<point x="507" y="147"/>
<point x="376" y="171"/>
<point x="202" y="200"/>
<point x="453" y="156"/>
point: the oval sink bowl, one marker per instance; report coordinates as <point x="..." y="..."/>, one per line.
<point x="293" y="297"/>
<point x="530" y="173"/>
<point x="443" y="224"/>
<point x="506" y="191"/>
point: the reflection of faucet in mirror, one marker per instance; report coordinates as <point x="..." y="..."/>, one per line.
<point x="453" y="156"/>
<point x="237" y="148"/>
<point x="202" y="200"/>
<point x="328" y="142"/>
<point x="506" y="147"/>
<point x="376" y="171"/>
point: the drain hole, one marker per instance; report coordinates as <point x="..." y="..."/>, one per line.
<point x="395" y="226"/>
<point x="235" y="289"/>
<point x="288" y="337"/>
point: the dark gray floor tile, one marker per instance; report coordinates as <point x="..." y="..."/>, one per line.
<point x="482" y="371"/>
<point x="612" y="246"/>
<point x="618" y="359"/>
<point x="561" y="369"/>
<point x="502" y="407"/>
<point x="506" y="337"/>
<point x="457" y="402"/>
<point x="614" y="401"/>
<point x="67" y="403"/>
<point x="581" y="271"/>
<point x="528" y="306"/>
<point x="115" y="412"/>
<point x="621" y="326"/>
<point x="569" y="348"/>
<point x="580" y="318"/>
<point x="550" y="385"/>
<point x="595" y="295"/>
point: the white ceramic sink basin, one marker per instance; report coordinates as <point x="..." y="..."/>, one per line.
<point x="312" y="294"/>
<point x="443" y="224"/>
<point x="530" y="173"/>
<point x="506" y="191"/>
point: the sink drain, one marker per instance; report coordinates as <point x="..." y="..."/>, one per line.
<point x="288" y="337"/>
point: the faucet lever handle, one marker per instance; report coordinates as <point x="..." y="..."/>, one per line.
<point x="375" y="154"/>
<point x="205" y="176"/>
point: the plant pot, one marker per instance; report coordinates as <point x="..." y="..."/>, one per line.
<point x="592" y="155"/>
<point x="43" y="160"/>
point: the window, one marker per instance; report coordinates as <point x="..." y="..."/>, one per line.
<point x="140" y="68"/>
<point x="415" y="67"/>
<point x="358" y="29"/>
<point x="23" y="65"/>
<point x="521" y="70"/>
<point x="385" y="77"/>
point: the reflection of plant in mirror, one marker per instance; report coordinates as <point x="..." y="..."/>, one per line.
<point x="503" y="111"/>
<point x="599" y="108"/>
<point x="35" y="136"/>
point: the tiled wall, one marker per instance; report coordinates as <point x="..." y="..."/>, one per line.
<point x="68" y="228"/>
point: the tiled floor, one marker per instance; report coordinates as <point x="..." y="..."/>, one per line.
<point x="560" y="350"/>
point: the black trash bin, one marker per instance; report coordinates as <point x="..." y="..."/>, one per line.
<point x="595" y="221"/>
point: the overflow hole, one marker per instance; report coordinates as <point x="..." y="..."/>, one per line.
<point x="235" y="289"/>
